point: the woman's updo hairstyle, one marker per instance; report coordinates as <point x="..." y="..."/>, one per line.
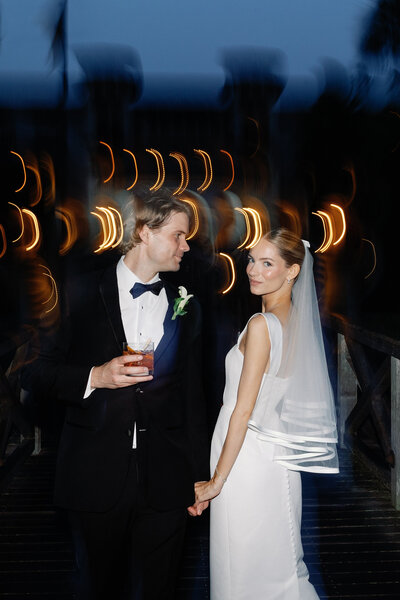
<point x="289" y="245"/>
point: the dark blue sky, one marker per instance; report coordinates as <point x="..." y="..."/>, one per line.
<point x="180" y="36"/>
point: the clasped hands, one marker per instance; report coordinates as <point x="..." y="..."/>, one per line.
<point x="204" y="492"/>
<point x="115" y="374"/>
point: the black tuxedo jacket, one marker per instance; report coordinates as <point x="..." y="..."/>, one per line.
<point x="169" y="411"/>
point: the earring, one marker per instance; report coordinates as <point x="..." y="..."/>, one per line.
<point x="289" y="280"/>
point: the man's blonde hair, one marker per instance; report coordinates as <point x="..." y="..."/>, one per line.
<point x="152" y="209"/>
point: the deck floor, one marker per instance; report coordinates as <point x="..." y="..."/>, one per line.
<point x="351" y="538"/>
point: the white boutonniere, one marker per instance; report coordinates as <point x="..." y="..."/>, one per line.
<point x="180" y="303"/>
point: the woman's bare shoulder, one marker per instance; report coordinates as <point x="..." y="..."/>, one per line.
<point x="258" y="325"/>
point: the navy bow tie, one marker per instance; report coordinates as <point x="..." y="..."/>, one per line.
<point x="140" y="288"/>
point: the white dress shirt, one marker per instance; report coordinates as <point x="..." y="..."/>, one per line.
<point x="142" y="317"/>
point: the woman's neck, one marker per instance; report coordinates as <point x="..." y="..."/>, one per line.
<point x="279" y="306"/>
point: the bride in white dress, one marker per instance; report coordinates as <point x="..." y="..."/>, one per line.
<point x="277" y="419"/>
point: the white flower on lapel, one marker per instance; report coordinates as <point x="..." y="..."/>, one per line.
<point x="180" y="303"/>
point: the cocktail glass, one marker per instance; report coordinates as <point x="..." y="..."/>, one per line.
<point x="146" y="349"/>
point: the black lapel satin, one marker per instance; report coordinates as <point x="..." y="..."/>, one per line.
<point x="109" y="294"/>
<point x="171" y="328"/>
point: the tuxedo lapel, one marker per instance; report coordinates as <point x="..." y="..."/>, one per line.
<point x="110" y="297"/>
<point x="171" y="328"/>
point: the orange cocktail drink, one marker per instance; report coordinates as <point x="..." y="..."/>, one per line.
<point x="145" y="349"/>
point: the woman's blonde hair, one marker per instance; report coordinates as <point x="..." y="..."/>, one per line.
<point x="289" y="245"/>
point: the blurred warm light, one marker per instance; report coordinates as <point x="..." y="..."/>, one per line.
<point x="36" y="229"/>
<point x="183" y="166"/>
<point x="160" y="169"/>
<point x="257" y="227"/>
<point x="38" y="194"/>
<point x="233" y="272"/>
<point x="23" y="169"/>
<point x="54" y="292"/>
<point x="48" y="165"/>
<point x="104" y="230"/>
<point x="111" y="232"/>
<point x="68" y="218"/>
<point x="374" y="254"/>
<point x="112" y="162"/>
<point x="22" y="222"/>
<point x="232" y="167"/>
<point x="4" y="241"/>
<point x="111" y="238"/>
<point x="247" y="222"/>
<point x="330" y="227"/>
<point x="196" y="217"/>
<point x="207" y="168"/>
<point x="328" y="230"/>
<point x="324" y="226"/>
<point x="340" y="209"/>
<point x="120" y="226"/>
<point x="136" y="169"/>
<point x="111" y="225"/>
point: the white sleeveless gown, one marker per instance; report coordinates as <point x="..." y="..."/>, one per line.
<point x="255" y="544"/>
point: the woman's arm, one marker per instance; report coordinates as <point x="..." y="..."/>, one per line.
<point x="255" y="362"/>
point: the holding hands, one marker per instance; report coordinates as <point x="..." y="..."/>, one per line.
<point x="206" y="491"/>
<point x="197" y="508"/>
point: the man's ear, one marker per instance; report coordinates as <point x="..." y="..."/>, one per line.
<point x="144" y="234"/>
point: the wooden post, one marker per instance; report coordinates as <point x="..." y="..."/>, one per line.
<point x="346" y="389"/>
<point x="395" y="419"/>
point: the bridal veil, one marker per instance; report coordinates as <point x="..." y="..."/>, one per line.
<point x="302" y="422"/>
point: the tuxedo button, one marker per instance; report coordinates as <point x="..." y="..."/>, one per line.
<point x="139" y="390"/>
<point x="129" y="432"/>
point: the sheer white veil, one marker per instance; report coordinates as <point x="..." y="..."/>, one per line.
<point x="301" y="419"/>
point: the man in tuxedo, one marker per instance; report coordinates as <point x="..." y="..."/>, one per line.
<point x="132" y="444"/>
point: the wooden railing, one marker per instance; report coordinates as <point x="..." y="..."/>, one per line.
<point x="370" y="389"/>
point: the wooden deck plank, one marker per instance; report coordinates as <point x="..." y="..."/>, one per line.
<point x="351" y="538"/>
